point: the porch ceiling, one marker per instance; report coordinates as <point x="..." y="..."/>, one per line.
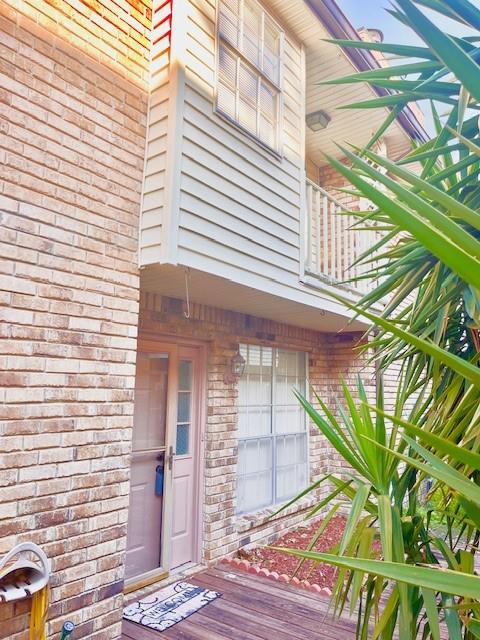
<point x="325" y="61"/>
<point x="212" y="290"/>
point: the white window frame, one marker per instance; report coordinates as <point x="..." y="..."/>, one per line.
<point x="277" y="150"/>
<point x="273" y="435"/>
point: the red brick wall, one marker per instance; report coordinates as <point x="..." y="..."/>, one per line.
<point x="331" y="358"/>
<point x="72" y="122"/>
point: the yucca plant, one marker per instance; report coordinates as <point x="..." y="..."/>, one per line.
<point x="428" y="264"/>
<point x="420" y="578"/>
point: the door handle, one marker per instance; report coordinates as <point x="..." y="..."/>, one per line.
<point x="170" y="457"/>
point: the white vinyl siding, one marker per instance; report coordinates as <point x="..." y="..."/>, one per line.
<point x="239" y="205"/>
<point x="272" y="428"/>
<point x="249" y="69"/>
<point x="153" y="196"/>
<point x="236" y="212"/>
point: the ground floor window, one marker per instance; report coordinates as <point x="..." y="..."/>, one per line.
<point x="272" y="446"/>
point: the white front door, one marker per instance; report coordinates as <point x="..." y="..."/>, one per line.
<point x="163" y="522"/>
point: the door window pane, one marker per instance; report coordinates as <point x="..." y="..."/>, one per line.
<point x="185" y="375"/>
<point x="150" y="412"/>
<point x="184" y="407"/>
<point x="182" y="447"/>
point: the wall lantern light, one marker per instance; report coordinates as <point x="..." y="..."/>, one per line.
<point x="236" y="368"/>
<point x="317" y="120"/>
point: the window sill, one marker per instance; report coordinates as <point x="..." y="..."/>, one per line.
<point x="249" y="521"/>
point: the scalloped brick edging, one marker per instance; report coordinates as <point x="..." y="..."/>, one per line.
<point x="248" y="567"/>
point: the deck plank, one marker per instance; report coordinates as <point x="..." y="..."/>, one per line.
<point x="298" y="613"/>
<point x="251" y="608"/>
<point x="258" y="583"/>
<point x="263" y="626"/>
<point x="223" y="627"/>
<point x="268" y="589"/>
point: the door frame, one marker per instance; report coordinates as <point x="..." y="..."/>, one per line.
<point x="153" y="343"/>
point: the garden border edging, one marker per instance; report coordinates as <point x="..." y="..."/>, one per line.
<point x="248" y="567"/>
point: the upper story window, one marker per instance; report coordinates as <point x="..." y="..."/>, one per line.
<point x="272" y="428"/>
<point x="249" y="69"/>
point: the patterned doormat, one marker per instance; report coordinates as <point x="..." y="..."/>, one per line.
<point x="170" y="605"/>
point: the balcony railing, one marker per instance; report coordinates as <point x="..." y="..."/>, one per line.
<point x="332" y="244"/>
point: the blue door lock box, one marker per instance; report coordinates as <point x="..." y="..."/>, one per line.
<point x="159" y="480"/>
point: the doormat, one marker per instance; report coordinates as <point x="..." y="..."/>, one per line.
<point x="170" y="605"/>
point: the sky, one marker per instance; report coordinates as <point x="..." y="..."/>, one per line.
<point x="371" y="13"/>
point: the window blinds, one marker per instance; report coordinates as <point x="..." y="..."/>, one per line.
<point x="249" y="55"/>
<point x="272" y="428"/>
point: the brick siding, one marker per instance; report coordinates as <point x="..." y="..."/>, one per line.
<point x="332" y="357"/>
<point x="72" y="124"/>
<point x="73" y="107"/>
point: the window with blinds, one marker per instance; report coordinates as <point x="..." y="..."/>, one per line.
<point x="272" y="446"/>
<point x="249" y="69"/>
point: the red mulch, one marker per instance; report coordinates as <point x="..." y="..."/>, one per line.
<point x="300" y="538"/>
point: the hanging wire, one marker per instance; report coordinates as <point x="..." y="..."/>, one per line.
<point x="187" y="293"/>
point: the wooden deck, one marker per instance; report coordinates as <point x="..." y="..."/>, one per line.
<point x="251" y="608"/>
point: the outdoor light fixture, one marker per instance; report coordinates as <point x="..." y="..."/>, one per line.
<point x="236" y="368"/>
<point x="317" y="120"/>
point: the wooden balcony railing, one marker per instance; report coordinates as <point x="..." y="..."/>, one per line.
<point x="332" y="244"/>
